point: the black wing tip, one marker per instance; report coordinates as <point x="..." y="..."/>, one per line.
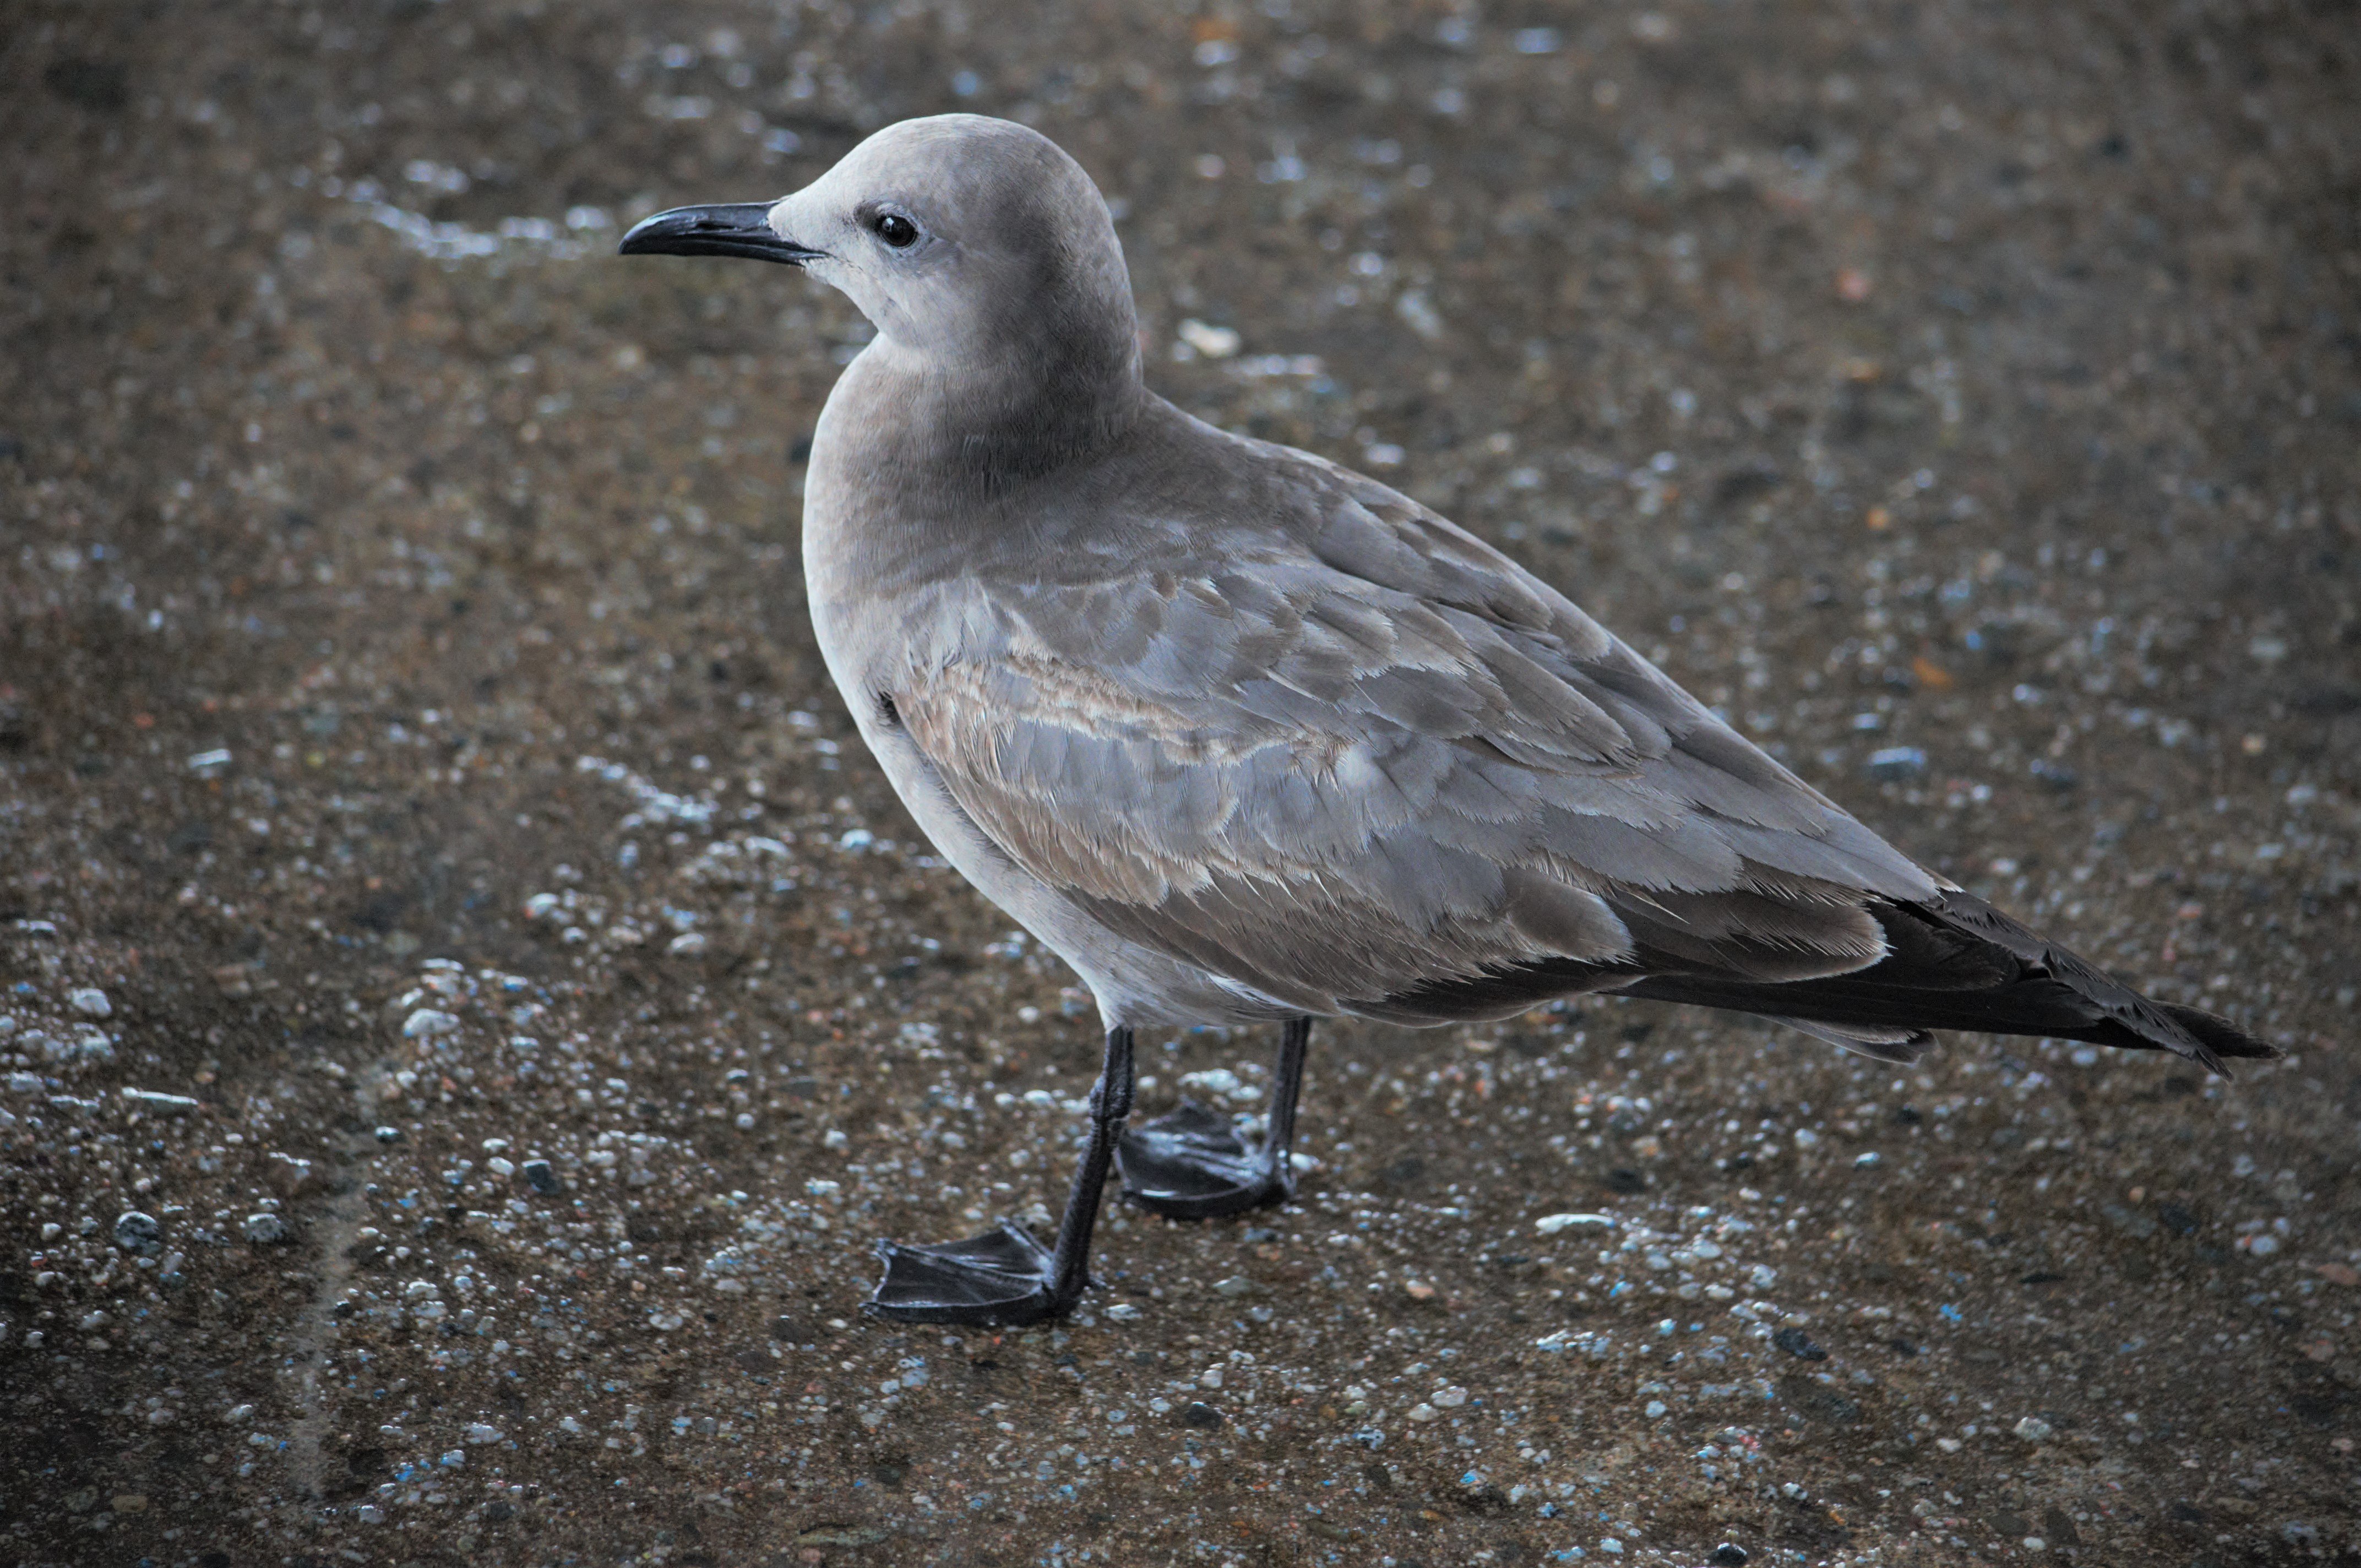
<point x="2052" y="993"/>
<point x="2135" y="1021"/>
<point x="2217" y="1037"/>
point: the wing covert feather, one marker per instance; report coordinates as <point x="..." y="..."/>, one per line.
<point x="1356" y="751"/>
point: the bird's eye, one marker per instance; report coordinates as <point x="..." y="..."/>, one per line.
<point x="896" y="230"/>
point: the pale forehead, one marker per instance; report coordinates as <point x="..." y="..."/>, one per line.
<point x="947" y="160"/>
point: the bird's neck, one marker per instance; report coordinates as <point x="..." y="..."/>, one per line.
<point x="961" y="427"/>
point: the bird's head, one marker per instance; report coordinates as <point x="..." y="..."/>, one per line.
<point x="964" y="240"/>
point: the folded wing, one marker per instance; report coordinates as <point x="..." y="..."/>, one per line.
<point x="1354" y="759"/>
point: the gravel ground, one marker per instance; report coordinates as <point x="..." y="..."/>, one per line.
<point x="471" y="1006"/>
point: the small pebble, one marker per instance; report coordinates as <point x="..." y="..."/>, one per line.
<point x="1891" y="764"/>
<point x="266" y="1229"/>
<point x="1197" y="1413"/>
<point x="1213" y="342"/>
<point x="1550" y="1224"/>
<point x="135" y="1231"/>
<point x="90" y="1001"/>
<point x="1730" y="1554"/>
<point x="541" y="1178"/>
<point x="1798" y="1344"/>
<point x="2033" y="1428"/>
<point x="158" y="1104"/>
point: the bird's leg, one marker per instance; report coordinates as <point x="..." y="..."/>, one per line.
<point x="1191" y="1165"/>
<point x="1004" y="1278"/>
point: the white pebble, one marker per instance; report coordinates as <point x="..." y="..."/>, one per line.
<point x="156" y="1102"/>
<point x="1550" y="1224"/>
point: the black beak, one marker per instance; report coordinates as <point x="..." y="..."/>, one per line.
<point x="741" y="228"/>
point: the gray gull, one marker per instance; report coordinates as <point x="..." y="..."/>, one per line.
<point x="1246" y="737"/>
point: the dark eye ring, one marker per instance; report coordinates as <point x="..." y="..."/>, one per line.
<point x="896" y="230"/>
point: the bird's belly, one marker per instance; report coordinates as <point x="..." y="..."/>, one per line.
<point x="1133" y="984"/>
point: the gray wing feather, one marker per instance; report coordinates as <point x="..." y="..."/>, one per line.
<point x="1347" y="749"/>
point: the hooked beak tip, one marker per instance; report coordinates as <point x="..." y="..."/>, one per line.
<point x="740" y="229"/>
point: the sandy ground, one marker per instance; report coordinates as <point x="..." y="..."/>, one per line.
<point x="471" y="1005"/>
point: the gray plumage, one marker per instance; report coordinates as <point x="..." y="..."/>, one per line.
<point x="1245" y="735"/>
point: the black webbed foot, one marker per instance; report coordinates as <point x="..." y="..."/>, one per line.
<point x="1003" y="1279"/>
<point x="1191" y="1165"/>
